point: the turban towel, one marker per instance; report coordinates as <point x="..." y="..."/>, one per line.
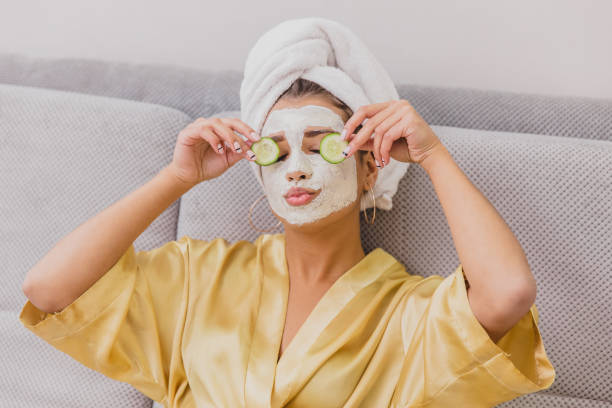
<point x="328" y="53"/>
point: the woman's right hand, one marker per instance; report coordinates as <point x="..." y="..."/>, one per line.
<point x="206" y="148"/>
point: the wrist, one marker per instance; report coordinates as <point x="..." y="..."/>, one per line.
<point x="435" y="155"/>
<point x="171" y="177"/>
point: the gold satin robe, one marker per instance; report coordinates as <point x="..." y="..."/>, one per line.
<point x="198" y="323"/>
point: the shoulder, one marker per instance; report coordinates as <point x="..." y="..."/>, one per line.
<point x="221" y="254"/>
<point x="221" y="246"/>
<point x="421" y="293"/>
<point x="432" y="286"/>
<point x="220" y="270"/>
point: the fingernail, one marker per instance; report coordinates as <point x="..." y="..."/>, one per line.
<point x="237" y="147"/>
<point x="251" y="154"/>
<point x="255" y="135"/>
<point x="343" y="134"/>
<point x="377" y="163"/>
<point x="383" y="161"/>
<point x="220" y="147"/>
<point x="347" y="150"/>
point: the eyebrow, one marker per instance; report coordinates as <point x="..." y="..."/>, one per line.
<point x="308" y="133"/>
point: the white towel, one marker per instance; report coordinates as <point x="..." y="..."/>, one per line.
<point x="328" y="53"/>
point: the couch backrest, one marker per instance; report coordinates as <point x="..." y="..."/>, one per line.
<point x="205" y="92"/>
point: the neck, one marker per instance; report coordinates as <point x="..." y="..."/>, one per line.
<point x="322" y="255"/>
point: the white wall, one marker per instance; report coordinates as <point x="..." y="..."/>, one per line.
<point x="560" y="47"/>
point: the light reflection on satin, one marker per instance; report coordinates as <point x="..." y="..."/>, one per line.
<point x="198" y="323"/>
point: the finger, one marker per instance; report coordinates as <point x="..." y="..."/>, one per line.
<point x="380" y="131"/>
<point x="215" y="140"/>
<point x="391" y="107"/>
<point x="225" y="138"/>
<point x="237" y="144"/>
<point x="203" y="126"/>
<point x="211" y="138"/>
<point x="392" y="135"/>
<point x="193" y="135"/>
<point x="360" y="115"/>
<point x="367" y="130"/>
<point x="243" y="128"/>
<point x="376" y="146"/>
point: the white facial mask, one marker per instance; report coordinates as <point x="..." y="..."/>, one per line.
<point x="337" y="182"/>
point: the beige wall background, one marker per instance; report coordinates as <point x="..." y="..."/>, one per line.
<point x="555" y="47"/>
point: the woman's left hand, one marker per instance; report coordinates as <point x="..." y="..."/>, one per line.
<point x="398" y="132"/>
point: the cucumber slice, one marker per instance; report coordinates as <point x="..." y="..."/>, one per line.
<point x="266" y="150"/>
<point x="331" y="148"/>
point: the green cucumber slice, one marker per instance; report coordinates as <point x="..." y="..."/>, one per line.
<point x="331" y="148"/>
<point x="266" y="151"/>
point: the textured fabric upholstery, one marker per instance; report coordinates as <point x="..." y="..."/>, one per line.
<point x="63" y="158"/>
<point x="204" y="92"/>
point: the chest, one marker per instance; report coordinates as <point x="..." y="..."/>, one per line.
<point x="237" y="327"/>
<point x="300" y="305"/>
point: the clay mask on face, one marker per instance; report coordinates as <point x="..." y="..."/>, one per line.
<point x="337" y="182"/>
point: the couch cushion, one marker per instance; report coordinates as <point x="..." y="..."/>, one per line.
<point x="64" y="157"/>
<point x="554" y="193"/>
<point x="203" y="92"/>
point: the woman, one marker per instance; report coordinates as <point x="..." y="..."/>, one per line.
<point x="302" y="318"/>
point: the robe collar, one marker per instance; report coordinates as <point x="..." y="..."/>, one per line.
<point x="272" y="383"/>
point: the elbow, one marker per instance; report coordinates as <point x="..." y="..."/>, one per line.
<point x="30" y="283"/>
<point x="27" y="287"/>
<point x="526" y="292"/>
<point x="521" y="290"/>
<point x="519" y="299"/>
<point x="36" y="296"/>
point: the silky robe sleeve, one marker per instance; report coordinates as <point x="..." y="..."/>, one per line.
<point x="461" y="364"/>
<point x="128" y="324"/>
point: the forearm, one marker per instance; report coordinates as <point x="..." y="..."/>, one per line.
<point x="79" y="259"/>
<point x="492" y="258"/>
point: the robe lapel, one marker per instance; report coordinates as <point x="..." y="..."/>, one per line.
<point x="269" y="323"/>
<point x="271" y="384"/>
<point x="313" y="344"/>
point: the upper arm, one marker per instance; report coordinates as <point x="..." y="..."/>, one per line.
<point x="498" y="314"/>
<point x="128" y="324"/>
<point x="451" y="357"/>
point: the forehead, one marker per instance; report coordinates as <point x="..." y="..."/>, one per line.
<point x="297" y="119"/>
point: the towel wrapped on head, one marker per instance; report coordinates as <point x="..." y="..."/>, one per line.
<point x="328" y="53"/>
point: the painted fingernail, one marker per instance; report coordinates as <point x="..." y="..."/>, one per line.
<point x="251" y="154"/>
<point x="237" y="147"/>
<point x="255" y="135"/>
<point x="220" y="147"/>
<point x="343" y="134"/>
<point x="377" y="163"/>
<point x="346" y="151"/>
<point x="383" y="161"/>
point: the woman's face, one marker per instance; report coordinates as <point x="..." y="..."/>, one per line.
<point x="298" y="130"/>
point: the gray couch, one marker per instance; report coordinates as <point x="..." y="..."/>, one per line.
<point x="77" y="135"/>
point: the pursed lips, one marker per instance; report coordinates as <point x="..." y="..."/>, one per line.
<point x="296" y="192"/>
<point x="300" y="197"/>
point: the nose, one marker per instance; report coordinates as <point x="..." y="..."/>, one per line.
<point x="297" y="175"/>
